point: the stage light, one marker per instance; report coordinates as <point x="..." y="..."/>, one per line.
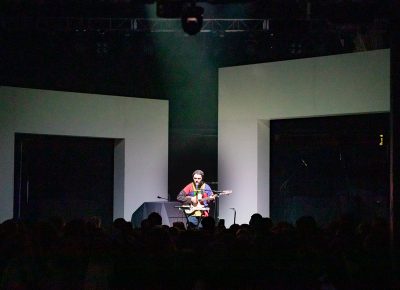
<point x="192" y="19"/>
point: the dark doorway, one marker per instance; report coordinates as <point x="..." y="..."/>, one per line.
<point x="330" y="166"/>
<point x="68" y="177"/>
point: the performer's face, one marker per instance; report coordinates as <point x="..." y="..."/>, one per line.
<point x="197" y="179"/>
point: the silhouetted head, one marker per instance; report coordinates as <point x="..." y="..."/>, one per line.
<point x="306" y="225"/>
<point x="255" y="220"/>
<point x="155" y="219"/>
<point x="208" y="223"/>
<point x="93" y="222"/>
<point x="179" y="225"/>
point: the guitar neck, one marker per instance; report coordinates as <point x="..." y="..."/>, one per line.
<point x="206" y="198"/>
<point x="215" y="195"/>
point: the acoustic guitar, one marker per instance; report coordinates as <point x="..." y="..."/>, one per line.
<point x="197" y="209"/>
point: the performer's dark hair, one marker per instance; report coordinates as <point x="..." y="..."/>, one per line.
<point x="198" y="171"/>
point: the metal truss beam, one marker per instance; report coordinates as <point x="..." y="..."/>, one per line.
<point x="129" y="24"/>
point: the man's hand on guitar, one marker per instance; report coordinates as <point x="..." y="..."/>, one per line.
<point x="194" y="200"/>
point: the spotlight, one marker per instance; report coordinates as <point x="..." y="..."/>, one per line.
<point x="192" y="19"/>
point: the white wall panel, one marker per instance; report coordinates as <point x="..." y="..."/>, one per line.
<point x="141" y="125"/>
<point x="251" y="95"/>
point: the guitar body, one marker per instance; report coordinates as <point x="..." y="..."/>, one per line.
<point x="197" y="208"/>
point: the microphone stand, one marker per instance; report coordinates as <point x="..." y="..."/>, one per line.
<point x="216" y="210"/>
<point x="234" y="215"/>
<point x="216" y="202"/>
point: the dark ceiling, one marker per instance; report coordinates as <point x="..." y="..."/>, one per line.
<point x="99" y="47"/>
<point x="337" y="10"/>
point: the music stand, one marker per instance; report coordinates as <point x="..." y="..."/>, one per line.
<point x="183" y="208"/>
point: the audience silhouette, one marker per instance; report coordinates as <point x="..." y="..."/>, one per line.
<point x="262" y="254"/>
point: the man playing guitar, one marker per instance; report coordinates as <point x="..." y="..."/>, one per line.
<point x="197" y="196"/>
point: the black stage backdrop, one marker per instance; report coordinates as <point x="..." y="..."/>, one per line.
<point x="68" y="177"/>
<point x="330" y="166"/>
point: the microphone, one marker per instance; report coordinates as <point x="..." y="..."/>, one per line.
<point x="160" y="197"/>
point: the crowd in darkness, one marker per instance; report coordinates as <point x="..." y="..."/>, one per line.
<point x="262" y="254"/>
